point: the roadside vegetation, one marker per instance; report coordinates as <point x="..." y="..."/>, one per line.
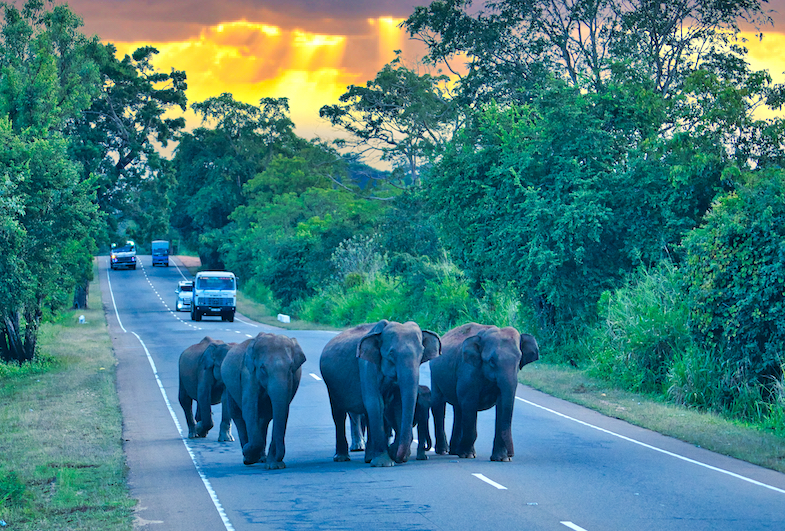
<point x="618" y="196"/>
<point x="62" y="461"/>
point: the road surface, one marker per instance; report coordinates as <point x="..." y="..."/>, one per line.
<point x="573" y="468"/>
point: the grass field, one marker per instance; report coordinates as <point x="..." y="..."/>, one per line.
<point x="62" y="464"/>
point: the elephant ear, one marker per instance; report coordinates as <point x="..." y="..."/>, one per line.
<point x="298" y="356"/>
<point x="370" y="345"/>
<point x="432" y="345"/>
<point x="530" y="351"/>
<point x="472" y="350"/>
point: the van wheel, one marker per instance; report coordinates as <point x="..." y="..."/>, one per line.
<point x="230" y="317"/>
<point x="195" y="315"/>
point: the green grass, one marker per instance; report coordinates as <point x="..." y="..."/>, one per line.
<point x="62" y="463"/>
<point x="707" y="430"/>
<point x="262" y="314"/>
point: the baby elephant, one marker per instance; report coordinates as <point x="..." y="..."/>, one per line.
<point x="200" y="380"/>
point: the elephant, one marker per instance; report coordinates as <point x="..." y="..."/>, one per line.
<point x="262" y="375"/>
<point x="363" y="367"/>
<point x="422" y="412"/>
<point x="200" y="380"/>
<point x="477" y="370"/>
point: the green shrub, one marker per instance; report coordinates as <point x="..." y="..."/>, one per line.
<point x="735" y="278"/>
<point x="643" y="325"/>
<point x="12" y="489"/>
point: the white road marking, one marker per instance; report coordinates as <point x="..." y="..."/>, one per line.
<point x="315" y="377"/>
<point x="572" y="526"/>
<point x="205" y="481"/>
<point x="650" y="447"/>
<point x="204" y="478"/>
<point x="490" y="481"/>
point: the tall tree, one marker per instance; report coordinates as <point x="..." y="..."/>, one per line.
<point x="401" y="116"/>
<point x="47" y="79"/>
<point x="117" y="139"/>
<point x="214" y="162"/>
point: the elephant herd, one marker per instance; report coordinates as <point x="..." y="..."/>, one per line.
<point x="372" y="373"/>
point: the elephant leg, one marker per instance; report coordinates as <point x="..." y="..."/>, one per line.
<point x="257" y="418"/>
<point x="341" y="444"/>
<point x="204" y="409"/>
<point x="438" y="407"/>
<point x="356" y="421"/>
<point x="455" y="436"/>
<point x="225" y="433"/>
<point x="376" y="450"/>
<point x="468" y="432"/>
<point x="187" y="404"/>
<point x="236" y="414"/>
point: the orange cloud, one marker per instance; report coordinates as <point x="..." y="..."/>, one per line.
<point x="255" y="60"/>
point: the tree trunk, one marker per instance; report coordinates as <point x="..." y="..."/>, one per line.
<point x="80" y="296"/>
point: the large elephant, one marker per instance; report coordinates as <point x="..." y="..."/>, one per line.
<point x="478" y="370"/>
<point x="200" y="380"/>
<point x="262" y="375"/>
<point x="363" y="368"/>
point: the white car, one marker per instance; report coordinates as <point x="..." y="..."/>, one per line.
<point x="185" y="295"/>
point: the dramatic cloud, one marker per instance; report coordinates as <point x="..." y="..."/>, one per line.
<point x="306" y="50"/>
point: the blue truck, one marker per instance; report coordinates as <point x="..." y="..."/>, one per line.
<point x="160" y="253"/>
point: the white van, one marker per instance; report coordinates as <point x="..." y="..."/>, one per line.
<point x="215" y="293"/>
<point x="185" y="295"/>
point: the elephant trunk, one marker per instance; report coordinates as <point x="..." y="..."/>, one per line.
<point x="280" y="397"/>
<point x="504" y="409"/>
<point x="409" y="383"/>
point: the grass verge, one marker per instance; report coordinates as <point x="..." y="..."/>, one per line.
<point x="262" y="314"/>
<point x="709" y="431"/>
<point x="62" y="463"/>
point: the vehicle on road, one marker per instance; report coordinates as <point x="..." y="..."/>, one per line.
<point x="160" y="252"/>
<point x="123" y="256"/>
<point x="185" y="295"/>
<point x="215" y="293"/>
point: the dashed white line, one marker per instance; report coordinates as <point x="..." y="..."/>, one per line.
<point x="315" y="377"/>
<point x="490" y="481"/>
<point x="572" y="526"/>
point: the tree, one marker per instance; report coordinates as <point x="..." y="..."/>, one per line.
<point x="735" y="278"/>
<point x="510" y="46"/>
<point x="402" y="116"/>
<point x="116" y="139"/>
<point x="212" y="165"/>
<point x="47" y="80"/>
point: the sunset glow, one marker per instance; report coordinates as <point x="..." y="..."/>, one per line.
<point x="255" y="60"/>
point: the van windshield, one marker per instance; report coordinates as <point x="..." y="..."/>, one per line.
<point x="216" y="283"/>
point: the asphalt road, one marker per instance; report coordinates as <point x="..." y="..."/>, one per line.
<point x="573" y="468"/>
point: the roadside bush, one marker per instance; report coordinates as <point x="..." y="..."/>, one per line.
<point x="735" y="278"/>
<point x="643" y="325"/>
<point x="12" y="489"/>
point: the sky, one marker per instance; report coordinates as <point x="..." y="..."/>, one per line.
<point x="307" y="50"/>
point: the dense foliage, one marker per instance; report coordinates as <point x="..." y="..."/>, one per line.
<point x="592" y="172"/>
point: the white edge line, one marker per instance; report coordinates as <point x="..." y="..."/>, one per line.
<point x="111" y="292"/>
<point x="490" y="481"/>
<point x="572" y="526"/>
<point x="206" y="481"/>
<point x="315" y="377"/>
<point x="650" y="447"/>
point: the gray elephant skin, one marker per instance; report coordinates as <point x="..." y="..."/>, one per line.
<point x="392" y="413"/>
<point x="262" y="375"/>
<point x="478" y="369"/>
<point x="363" y="368"/>
<point x="200" y="380"/>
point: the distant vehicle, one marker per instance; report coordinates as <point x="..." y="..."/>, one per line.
<point x="123" y="256"/>
<point x="160" y="253"/>
<point x="215" y="293"/>
<point x="185" y="295"/>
